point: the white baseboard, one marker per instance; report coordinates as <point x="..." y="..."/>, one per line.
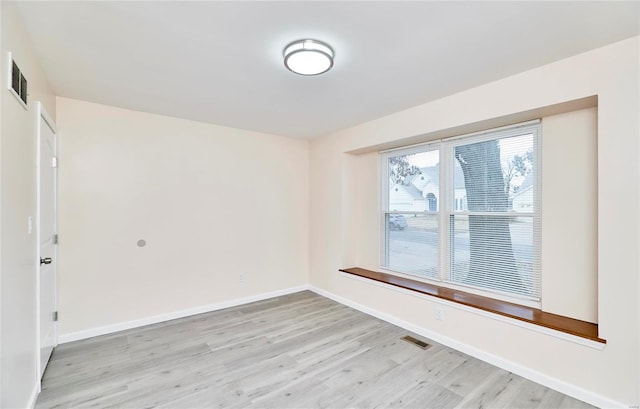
<point x="109" y="329"/>
<point x="536" y="376"/>
<point x="528" y="373"/>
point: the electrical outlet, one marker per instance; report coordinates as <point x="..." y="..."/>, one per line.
<point x="241" y="278"/>
<point x="29" y="225"/>
<point x="439" y="314"/>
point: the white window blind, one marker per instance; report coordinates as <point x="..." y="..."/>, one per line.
<point x="465" y="212"/>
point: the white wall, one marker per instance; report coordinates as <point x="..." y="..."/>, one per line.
<point x="570" y="214"/>
<point x="18" y="194"/>
<point x="212" y="203"/>
<point x="610" y="375"/>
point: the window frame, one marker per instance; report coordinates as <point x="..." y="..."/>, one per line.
<point x="447" y="208"/>
<point x="384" y="204"/>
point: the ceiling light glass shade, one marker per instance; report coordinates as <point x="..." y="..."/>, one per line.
<point x="308" y="57"/>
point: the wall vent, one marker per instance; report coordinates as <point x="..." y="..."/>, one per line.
<point x="17" y="82"/>
<point x="416" y="342"/>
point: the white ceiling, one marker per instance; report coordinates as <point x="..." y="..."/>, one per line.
<point x="221" y="62"/>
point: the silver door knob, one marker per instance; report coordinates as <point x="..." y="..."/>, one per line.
<point x="46" y="260"/>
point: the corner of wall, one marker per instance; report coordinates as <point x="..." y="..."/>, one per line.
<point x="18" y="325"/>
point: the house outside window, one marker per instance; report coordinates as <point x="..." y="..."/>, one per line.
<point x="469" y="210"/>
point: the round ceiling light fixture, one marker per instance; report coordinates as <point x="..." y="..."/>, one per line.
<point x="308" y="57"/>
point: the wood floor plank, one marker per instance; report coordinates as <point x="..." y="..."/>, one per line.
<point x="296" y="351"/>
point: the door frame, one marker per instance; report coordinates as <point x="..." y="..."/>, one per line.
<point x="43" y="116"/>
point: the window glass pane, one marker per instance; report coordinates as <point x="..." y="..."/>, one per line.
<point x="412" y="244"/>
<point x="494" y="252"/>
<point x="495" y="175"/>
<point x="414" y="182"/>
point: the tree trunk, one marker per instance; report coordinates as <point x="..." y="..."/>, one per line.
<point x="492" y="263"/>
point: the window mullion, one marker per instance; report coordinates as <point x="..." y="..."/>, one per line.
<point x="384" y="208"/>
<point x="537" y="214"/>
<point x="445" y="211"/>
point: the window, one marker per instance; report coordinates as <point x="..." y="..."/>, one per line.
<point x="465" y="212"/>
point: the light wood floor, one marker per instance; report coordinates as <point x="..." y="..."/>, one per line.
<point x="295" y="351"/>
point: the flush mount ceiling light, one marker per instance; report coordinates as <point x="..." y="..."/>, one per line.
<point x="308" y="57"/>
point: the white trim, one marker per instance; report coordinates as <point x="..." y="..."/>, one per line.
<point x="382" y="174"/>
<point x="467" y="135"/>
<point x="42" y="115"/>
<point x="495" y="133"/>
<point x="38" y="253"/>
<point x="15" y="94"/>
<point x="528" y="373"/>
<point x="47" y="118"/>
<point x="502" y="214"/>
<point x="445" y="194"/>
<point x="34" y="396"/>
<point x="109" y="329"/>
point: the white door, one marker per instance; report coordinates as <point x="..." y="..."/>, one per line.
<point x="47" y="236"/>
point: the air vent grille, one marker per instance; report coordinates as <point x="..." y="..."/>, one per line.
<point x="416" y="342"/>
<point x="17" y="81"/>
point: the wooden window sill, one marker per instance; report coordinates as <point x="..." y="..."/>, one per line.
<point x="530" y="315"/>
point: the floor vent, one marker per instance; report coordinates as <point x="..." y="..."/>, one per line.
<point x="416" y="342"/>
